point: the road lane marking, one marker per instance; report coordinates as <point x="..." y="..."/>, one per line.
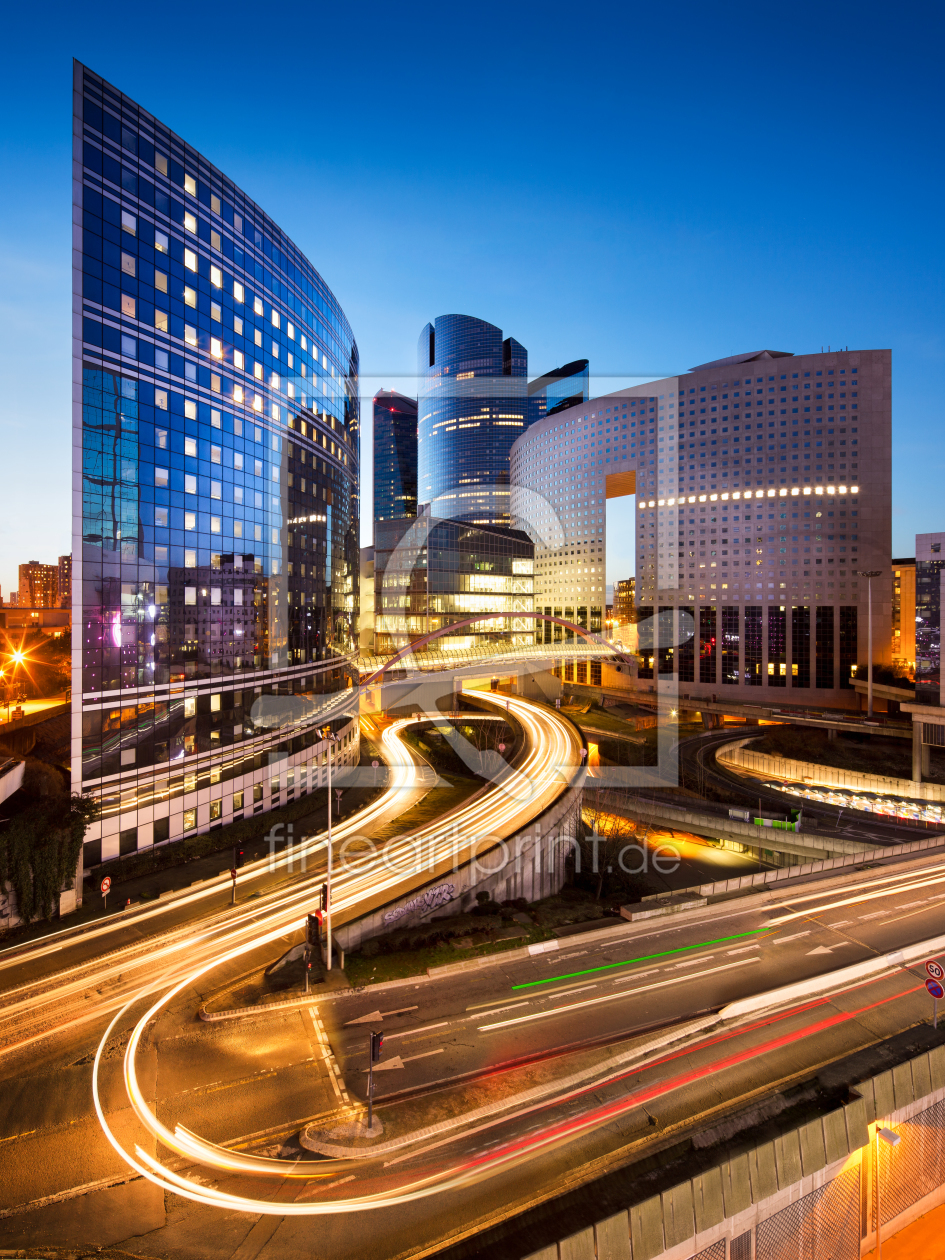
<point x="480" y="1005"/>
<point x="840" y="923"/>
<point x="415" y="1032"/>
<point x="783" y="940"/>
<point x="694" y="962"/>
<point x="877" y="914"/>
<point x="744" y="949"/>
<point x="609" y="997"/>
<point x="555" y="993"/>
<point x="637" y="975"/>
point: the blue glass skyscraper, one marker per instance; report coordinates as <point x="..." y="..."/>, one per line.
<point x="395" y="455"/>
<point x="472" y="405"/>
<point x="215" y="437"/>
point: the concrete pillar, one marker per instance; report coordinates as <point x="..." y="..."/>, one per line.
<point x="832" y="733"/>
<point x="926" y="757"/>
<point x="919" y="753"/>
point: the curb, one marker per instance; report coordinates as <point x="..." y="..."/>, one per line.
<point x="533" y="1095"/>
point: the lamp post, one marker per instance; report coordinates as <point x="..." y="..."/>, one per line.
<point x="329" y="736"/>
<point x="869" y="574"/>
<point x="891" y="1139"/>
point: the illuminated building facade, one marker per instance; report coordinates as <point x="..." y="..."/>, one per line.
<point x="432" y="573"/>
<point x="903" y="613"/>
<point x="929" y="571"/>
<point x="215" y="423"/>
<point x="472" y="405"/>
<point x="38" y="585"/>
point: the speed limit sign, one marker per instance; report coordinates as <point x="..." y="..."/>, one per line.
<point x="935" y="970"/>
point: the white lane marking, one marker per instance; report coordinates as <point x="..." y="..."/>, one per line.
<point x="744" y="949"/>
<point x="877" y="914"/>
<point x="561" y="992"/>
<point x="480" y="1005"/>
<point x="496" y="1010"/>
<point x="840" y="923"/>
<point x="909" y="904"/>
<point x="415" y="1032"/>
<point x="636" y="975"/>
<point x="609" y="997"/>
<point x="694" y="962"/>
<point x="425" y="1055"/>
<point x="783" y="940"/>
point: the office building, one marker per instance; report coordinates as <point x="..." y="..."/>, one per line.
<point x="472" y="405"/>
<point x="395" y="456"/>
<point x="563" y="387"/>
<point x="215" y="438"/>
<point x="763" y="487"/>
<point x="431" y="574"/>
<point x="39" y="585"/>
<point x="624" y="601"/>
<point x="929" y="568"/>
<point x="64" y="582"/>
<point x="903" y="613"/>
<point x="366" y="627"/>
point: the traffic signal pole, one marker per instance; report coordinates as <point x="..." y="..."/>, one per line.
<point x="328" y="878"/>
<point x="370" y="1083"/>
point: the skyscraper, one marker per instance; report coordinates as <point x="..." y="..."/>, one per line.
<point x="215" y="431"/>
<point x="560" y="388"/>
<point x="65" y="581"/>
<point x="472" y="405"/>
<point x="929" y="570"/>
<point x="395" y="455"/>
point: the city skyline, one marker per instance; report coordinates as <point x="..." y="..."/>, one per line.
<point x="651" y="283"/>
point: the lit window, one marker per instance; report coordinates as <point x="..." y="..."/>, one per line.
<point x="190" y="296"/>
<point x="237" y="325"/>
<point x="190" y="446"/>
<point x="257" y="533"/>
<point x="257" y="402"/>
<point x="160" y="439"/>
<point x="190" y="598"/>
<point x="190" y="260"/>
<point x="190" y="819"/>
<point x="274" y="380"/>
<point x="237" y="291"/>
<point x="217" y="423"/>
<point x="160" y="476"/>
<point x="160" y="399"/>
<point x="215" y="312"/>
<point x="127" y="306"/>
<point x="190" y="483"/>
<point x="304" y="342"/>
<point x="214" y="524"/>
<point x="190" y="335"/>
<point x="160" y="281"/>
<point x="215" y="596"/>
<point x="237" y="529"/>
<point x="216" y="277"/>
<point x="275" y="318"/>
<point x="190" y="409"/>
<point x="190" y="185"/>
<point x="216" y="810"/>
<point x="190" y="559"/>
<point x="129" y="223"/>
<point x="216" y="490"/>
<point x="160" y="163"/>
<point x="257" y="306"/>
<point x="258" y="371"/>
<point x="238" y="359"/>
<point x="216" y="348"/>
<point x="128" y="263"/>
<point x="190" y="520"/>
<point x="290" y="329"/>
<point x="237" y="597"/>
<point x="215" y="241"/>
<point x="237" y="397"/>
<point x="160" y="242"/>
<point x="190" y="223"/>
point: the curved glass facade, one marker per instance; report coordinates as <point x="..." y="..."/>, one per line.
<point x="472" y="405"/>
<point x="216" y="424"/>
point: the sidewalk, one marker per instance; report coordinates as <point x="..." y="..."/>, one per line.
<point x="924" y="1239"/>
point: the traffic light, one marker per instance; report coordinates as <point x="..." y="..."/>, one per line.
<point x="238" y="860"/>
<point x="324" y="896"/>
<point x="314" y="928"/>
<point x="377" y="1043"/>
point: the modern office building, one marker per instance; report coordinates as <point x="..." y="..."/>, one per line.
<point x="563" y="387"/>
<point x="215" y="439"/>
<point x="366" y="624"/>
<point x="903" y="613"/>
<point x="472" y="405"/>
<point x="763" y="488"/>
<point x="64" y="583"/>
<point x="38" y="585"/>
<point x="624" y="601"/>
<point x="929" y="570"/>
<point x="432" y="573"/>
<point x="395" y="455"/>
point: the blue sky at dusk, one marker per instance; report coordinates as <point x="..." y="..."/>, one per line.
<point x="648" y="187"/>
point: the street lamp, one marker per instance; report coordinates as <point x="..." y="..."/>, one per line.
<point x="869" y="574"/>
<point x="329" y="736"/>
<point x="891" y="1139"/>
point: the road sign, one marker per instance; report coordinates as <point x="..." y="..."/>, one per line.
<point x="106" y="885"/>
<point x="232" y="872"/>
<point x="935" y="970"/>
<point x="935" y="989"/>
<point x="375" y="764"/>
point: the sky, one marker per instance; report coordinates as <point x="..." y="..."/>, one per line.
<point x="649" y="187"/>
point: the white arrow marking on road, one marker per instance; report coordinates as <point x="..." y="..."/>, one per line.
<point x="397" y="1062"/>
<point x="821" y="949"/>
<point x="367" y="1019"/>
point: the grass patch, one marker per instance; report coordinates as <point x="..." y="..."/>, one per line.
<point x="414" y="962"/>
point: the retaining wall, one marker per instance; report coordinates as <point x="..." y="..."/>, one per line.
<point x="809" y="1192"/>
<point x="737" y="755"/>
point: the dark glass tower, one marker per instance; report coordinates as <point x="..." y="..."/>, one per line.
<point x="562" y="387"/>
<point x="472" y="405"/>
<point x="395" y="456"/>
<point x="215" y="431"/>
